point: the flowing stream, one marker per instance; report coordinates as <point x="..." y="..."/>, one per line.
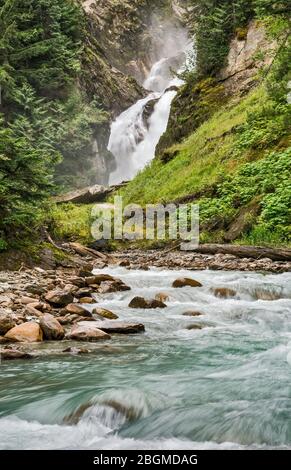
<point x="226" y="385"/>
<point x="137" y="131"/>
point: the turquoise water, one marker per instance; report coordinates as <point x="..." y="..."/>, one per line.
<point x="227" y="385"/>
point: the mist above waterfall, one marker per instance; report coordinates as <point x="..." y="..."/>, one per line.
<point x="137" y="131"/>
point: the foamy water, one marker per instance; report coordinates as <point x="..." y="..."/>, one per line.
<point x="224" y="386"/>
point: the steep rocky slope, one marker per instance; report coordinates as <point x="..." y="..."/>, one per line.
<point x="196" y="102"/>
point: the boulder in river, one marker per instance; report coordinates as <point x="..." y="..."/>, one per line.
<point x="186" y="282"/>
<point x="87" y="300"/>
<point x="162" y="297"/>
<point x="121" y="327"/>
<point x="195" y="326"/>
<point x="265" y="294"/>
<point x="51" y="328"/>
<point x="140" y="302"/>
<point x="59" y="298"/>
<point x="6" y="321"/>
<point x="29" y="332"/>
<point x="76" y="351"/>
<point x="224" y="292"/>
<point x="77" y="309"/>
<point x="98" y="278"/>
<point x="192" y="313"/>
<point x="87" y="331"/>
<point x="11" y="353"/>
<point x="102" y="312"/>
<point x="107" y="287"/>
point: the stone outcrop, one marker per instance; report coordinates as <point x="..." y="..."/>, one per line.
<point x="239" y="75"/>
<point x="86" y="195"/>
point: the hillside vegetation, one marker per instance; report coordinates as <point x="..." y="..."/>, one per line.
<point x="236" y="160"/>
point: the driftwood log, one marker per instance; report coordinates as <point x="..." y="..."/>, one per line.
<point x="256" y="252"/>
<point x="85" y="251"/>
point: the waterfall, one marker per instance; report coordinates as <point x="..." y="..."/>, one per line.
<point x="137" y="131"/>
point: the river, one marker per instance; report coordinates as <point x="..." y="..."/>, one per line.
<point x="224" y="386"/>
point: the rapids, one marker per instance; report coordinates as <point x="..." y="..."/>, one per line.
<point x="224" y="386"/>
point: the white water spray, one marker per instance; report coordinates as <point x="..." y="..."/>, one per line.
<point x="134" y="137"/>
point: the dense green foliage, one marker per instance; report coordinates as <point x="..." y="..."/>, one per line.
<point x="44" y="118"/>
<point x="240" y="157"/>
<point x="235" y="153"/>
<point x="215" y="22"/>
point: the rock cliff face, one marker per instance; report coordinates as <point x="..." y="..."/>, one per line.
<point x="196" y="103"/>
<point x="246" y="57"/>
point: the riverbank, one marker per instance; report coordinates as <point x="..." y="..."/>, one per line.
<point x="62" y="304"/>
<point x="200" y="376"/>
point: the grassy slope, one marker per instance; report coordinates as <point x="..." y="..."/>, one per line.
<point x="201" y="160"/>
<point x="204" y="160"/>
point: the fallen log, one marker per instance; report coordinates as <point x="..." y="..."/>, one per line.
<point x="241" y="251"/>
<point x="86" y="251"/>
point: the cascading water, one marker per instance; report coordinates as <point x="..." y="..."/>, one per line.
<point x="134" y="136"/>
<point x="226" y="385"/>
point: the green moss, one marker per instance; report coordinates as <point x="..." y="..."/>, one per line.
<point x="194" y="104"/>
<point x="201" y="160"/>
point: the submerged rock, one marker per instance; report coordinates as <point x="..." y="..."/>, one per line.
<point x="29" y="332"/>
<point x="186" y="282"/>
<point x="87" y="331"/>
<point x="140" y="302"/>
<point x="76" y="351"/>
<point x="224" y="292"/>
<point x="10" y="354"/>
<point x="162" y="297"/>
<point x="264" y="294"/>
<point x="195" y="326"/>
<point x="120" y="327"/>
<point x="191" y="313"/>
<point x="51" y="328"/>
<point x="102" y="312"/>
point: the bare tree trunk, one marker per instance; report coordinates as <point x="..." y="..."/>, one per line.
<point x="256" y="252"/>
